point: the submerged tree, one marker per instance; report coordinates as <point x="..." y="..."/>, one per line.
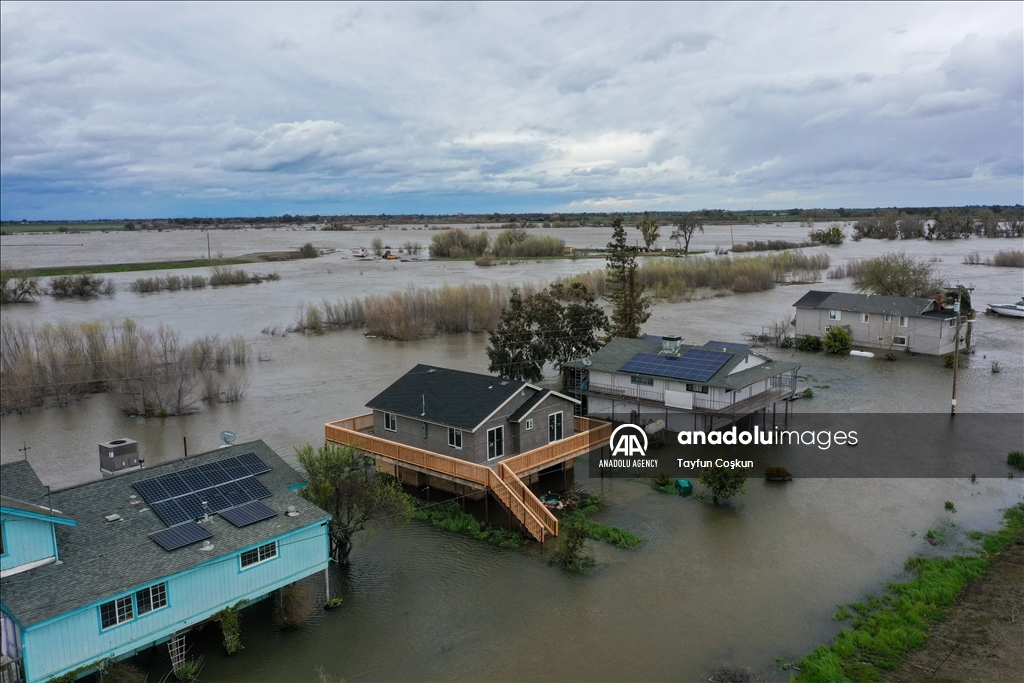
<point x="685" y="227"/>
<point x="625" y="290"/>
<point x="897" y="274"/>
<point x="724" y="482"/>
<point x="648" y="227"/>
<point x="341" y="481"/>
<point x="555" y="326"/>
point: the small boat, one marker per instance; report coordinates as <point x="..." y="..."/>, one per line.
<point x="1011" y="310"/>
<point x="359" y="252"/>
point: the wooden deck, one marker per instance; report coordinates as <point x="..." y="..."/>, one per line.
<point x="502" y="478"/>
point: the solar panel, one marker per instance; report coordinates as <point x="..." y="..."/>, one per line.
<point x="214" y="472"/>
<point x="234" y="493"/>
<point x="696" y="365"/>
<point x="151" y="490"/>
<point x="253" y="489"/>
<point x="247" y="514"/>
<point x="234" y="468"/>
<point x="180" y="536"/>
<point x="253" y="464"/>
<point x="715" y="344"/>
<point x="170" y="512"/>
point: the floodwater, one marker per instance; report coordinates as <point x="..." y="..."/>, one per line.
<point x="735" y="584"/>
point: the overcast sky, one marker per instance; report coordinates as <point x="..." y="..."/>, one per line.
<point x="121" y="110"/>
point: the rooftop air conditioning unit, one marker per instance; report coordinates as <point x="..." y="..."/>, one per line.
<point x="119" y="455"/>
<point x="670" y="345"/>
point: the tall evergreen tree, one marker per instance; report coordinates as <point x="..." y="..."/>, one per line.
<point x="515" y="351"/>
<point x="625" y="291"/>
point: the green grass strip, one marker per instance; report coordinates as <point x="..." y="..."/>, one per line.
<point x="450" y="517"/>
<point x="620" y="538"/>
<point x="884" y="630"/>
<point x="126" y="267"/>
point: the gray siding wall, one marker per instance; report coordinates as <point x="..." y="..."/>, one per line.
<point x="924" y="335"/>
<point x="474" y="444"/>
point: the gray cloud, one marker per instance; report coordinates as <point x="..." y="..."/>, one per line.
<point x="111" y="110"/>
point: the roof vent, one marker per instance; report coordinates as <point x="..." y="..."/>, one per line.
<point x="113" y="518"/>
<point x="292" y="512"/>
<point x="206" y="547"/>
<point x="432" y="370"/>
<point x="504" y="382"/>
<point x="670" y="344"/>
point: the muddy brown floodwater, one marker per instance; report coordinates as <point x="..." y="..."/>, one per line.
<point x="735" y="584"/>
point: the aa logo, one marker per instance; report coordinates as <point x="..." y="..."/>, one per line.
<point x="629" y="441"/>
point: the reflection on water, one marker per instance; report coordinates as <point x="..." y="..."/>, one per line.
<point x="737" y="584"/>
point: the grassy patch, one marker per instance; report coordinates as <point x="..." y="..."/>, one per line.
<point x="602" y="532"/>
<point x="450" y="517"/>
<point x="128" y="267"/>
<point x="884" y="630"/>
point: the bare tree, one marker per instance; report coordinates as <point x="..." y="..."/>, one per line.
<point x="685" y="226"/>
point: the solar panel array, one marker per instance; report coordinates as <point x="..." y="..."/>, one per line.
<point x="180" y="535"/>
<point x="247" y="514"/>
<point x="179" y="496"/>
<point x="715" y="344"/>
<point x="696" y="365"/>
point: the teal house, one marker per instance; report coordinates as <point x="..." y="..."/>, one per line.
<point x="103" y="570"/>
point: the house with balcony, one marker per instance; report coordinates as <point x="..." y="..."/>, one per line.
<point x="917" y="325"/>
<point x="103" y="570"/>
<point x="686" y="386"/>
<point x="473" y="434"/>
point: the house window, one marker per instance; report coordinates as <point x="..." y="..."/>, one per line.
<point x="637" y="379"/>
<point x="887" y="318"/>
<point x="835" y="314"/>
<point x="529" y="424"/>
<point x="864" y="317"/>
<point x="455" y="438"/>
<point x="952" y="322"/>
<point x="899" y="341"/>
<point x="390" y="422"/>
<point x="116" y="612"/>
<point x="152" y="598"/>
<point x="697" y="388"/>
<point x="495" y="443"/>
<point x="555" y="426"/>
<point x="257" y="555"/>
<point x="904" y="321"/>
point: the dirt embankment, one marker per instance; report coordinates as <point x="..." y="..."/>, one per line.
<point x="982" y="639"/>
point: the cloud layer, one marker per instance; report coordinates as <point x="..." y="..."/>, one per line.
<point x="173" y="109"/>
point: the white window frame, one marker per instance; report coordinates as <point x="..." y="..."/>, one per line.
<point x="124" y="611"/>
<point x="529" y="424"/>
<point x="556" y="427"/>
<point x="263" y="553"/>
<point x="390" y="419"/>
<point x="645" y="381"/>
<point x="157" y="598"/>
<point x="897" y="337"/>
<point x="904" y="321"/>
<point x="835" y="314"/>
<point x="455" y="438"/>
<point x="498" y="441"/>
<point x="887" y="318"/>
<point x="952" y="322"/>
<point x="865" y="318"/>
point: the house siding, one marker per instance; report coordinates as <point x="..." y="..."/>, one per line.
<point x="76" y="639"/>
<point x="25" y="541"/>
<point x="474" y="444"/>
<point x="927" y="335"/>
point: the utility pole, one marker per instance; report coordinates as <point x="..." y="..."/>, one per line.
<point x="956" y="350"/>
<point x="25" y="448"/>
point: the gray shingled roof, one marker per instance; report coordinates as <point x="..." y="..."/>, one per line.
<point x="866" y="303"/>
<point x="619" y="350"/>
<point x="522" y="410"/>
<point x="22" y="506"/>
<point x="100" y="559"/>
<point x="452" y="398"/>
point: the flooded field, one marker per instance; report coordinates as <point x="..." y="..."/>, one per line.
<point x="738" y="584"/>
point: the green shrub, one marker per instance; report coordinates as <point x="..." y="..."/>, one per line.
<point x="458" y="243"/>
<point x="307" y="250"/>
<point x="1015" y="459"/>
<point x="837" y="339"/>
<point x="808" y="342"/>
<point x="949" y="358"/>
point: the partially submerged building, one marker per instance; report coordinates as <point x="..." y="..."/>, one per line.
<point x="687" y="386"/>
<point x="470" y="433"/>
<point x="917" y="325"/>
<point x="112" y="567"/>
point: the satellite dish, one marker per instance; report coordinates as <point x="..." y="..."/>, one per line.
<point x="227" y="436"/>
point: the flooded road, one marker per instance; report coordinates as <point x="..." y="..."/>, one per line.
<point x="736" y="584"/>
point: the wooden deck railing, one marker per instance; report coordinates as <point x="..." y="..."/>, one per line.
<point x="505" y="482"/>
<point x="532" y="502"/>
<point x="589" y="434"/>
<point x="453" y="467"/>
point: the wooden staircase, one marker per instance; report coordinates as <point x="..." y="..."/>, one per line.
<point x="503" y="481"/>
